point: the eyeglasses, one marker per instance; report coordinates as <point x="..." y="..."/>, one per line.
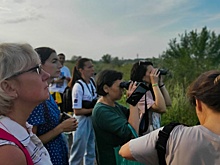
<point x="36" y="68"/>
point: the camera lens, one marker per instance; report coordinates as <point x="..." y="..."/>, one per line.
<point x="163" y="71"/>
<point x="125" y="84"/>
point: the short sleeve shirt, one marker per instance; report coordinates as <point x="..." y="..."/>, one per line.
<point x="60" y="87"/>
<point x="185" y="146"/>
<point x="154" y="119"/>
<point x="88" y="93"/>
<point x="37" y="151"/>
<point x="46" y="117"/>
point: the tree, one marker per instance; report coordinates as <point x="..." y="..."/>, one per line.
<point x="75" y="58"/>
<point x="106" y="58"/>
<point x="117" y="62"/>
<point x="193" y="54"/>
<point x="189" y="56"/>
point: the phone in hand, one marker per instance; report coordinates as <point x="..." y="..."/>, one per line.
<point x="64" y="116"/>
<point x="137" y="94"/>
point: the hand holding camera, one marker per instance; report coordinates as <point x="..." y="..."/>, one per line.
<point x="132" y="86"/>
<point x="137" y="93"/>
<point x="154" y="76"/>
<point x="163" y="71"/>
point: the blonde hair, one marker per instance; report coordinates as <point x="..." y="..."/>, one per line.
<point x="14" y="57"/>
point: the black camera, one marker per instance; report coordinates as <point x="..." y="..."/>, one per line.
<point x="163" y="71"/>
<point x="137" y="94"/>
<point x="124" y="84"/>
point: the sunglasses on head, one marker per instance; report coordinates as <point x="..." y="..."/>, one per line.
<point x="144" y="62"/>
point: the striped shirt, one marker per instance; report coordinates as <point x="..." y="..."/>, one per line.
<point x="35" y="147"/>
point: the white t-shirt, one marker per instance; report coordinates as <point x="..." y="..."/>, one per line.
<point x="33" y="144"/>
<point x="186" y="146"/>
<point x="78" y="95"/>
<point x="60" y="87"/>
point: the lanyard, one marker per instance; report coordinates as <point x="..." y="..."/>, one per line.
<point x="91" y="92"/>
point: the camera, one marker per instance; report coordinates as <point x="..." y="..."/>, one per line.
<point x="124" y="84"/>
<point x="137" y="94"/>
<point x="163" y="71"/>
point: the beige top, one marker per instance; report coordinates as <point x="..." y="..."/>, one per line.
<point x="186" y="146"/>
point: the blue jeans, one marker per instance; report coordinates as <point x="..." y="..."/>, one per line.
<point x="83" y="146"/>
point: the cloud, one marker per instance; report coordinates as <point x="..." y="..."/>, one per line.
<point x="93" y="28"/>
<point x="17" y="11"/>
<point x="19" y="1"/>
<point x="4" y="10"/>
<point x="212" y="18"/>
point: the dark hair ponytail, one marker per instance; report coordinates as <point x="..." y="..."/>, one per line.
<point x="76" y="75"/>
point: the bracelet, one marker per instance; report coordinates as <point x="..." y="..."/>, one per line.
<point x="161" y="86"/>
<point x="154" y="85"/>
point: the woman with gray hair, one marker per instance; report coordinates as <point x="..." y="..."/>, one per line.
<point x="23" y="85"/>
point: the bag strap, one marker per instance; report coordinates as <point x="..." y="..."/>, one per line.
<point x="7" y="136"/>
<point x="144" y="121"/>
<point x="133" y="131"/>
<point x="161" y="143"/>
<point x="91" y="80"/>
<point x="92" y="86"/>
<point x="80" y="85"/>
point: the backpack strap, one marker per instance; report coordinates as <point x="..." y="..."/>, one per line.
<point x="161" y="143"/>
<point x="92" y="86"/>
<point x="7" y="136"/>
<point x="91" y="80"/>
<point x="80" y="85"/>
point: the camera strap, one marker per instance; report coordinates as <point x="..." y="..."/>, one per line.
<point x="147" y="112"/>
<point x="144" y="123"/>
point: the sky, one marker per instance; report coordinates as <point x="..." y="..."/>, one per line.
<point x="125" y="29"/>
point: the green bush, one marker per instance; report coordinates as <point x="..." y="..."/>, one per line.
<point x="180" y="111"/>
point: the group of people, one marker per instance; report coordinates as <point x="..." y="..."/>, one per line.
<point x="31" y="113"/>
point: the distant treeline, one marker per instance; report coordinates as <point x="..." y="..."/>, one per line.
<point x="185" y="58"/>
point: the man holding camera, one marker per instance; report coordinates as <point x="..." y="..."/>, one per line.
<point x="58" y="85"/>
